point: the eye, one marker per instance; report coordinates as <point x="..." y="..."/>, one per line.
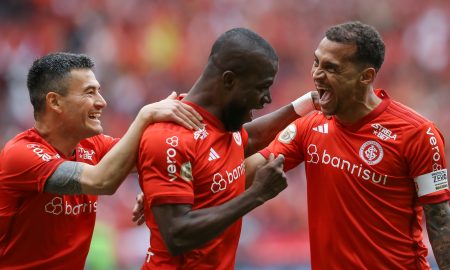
<point x="316" y="63"/>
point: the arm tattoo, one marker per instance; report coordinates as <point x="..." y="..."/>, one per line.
<point x="66" y="179"/>
<point x="438" y="227"/>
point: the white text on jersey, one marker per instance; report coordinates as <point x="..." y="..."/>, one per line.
<point x="358" y="170"/>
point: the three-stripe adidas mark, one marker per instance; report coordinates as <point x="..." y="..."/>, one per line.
<point x="322" y="128"/>
<point x="213" y="155"/>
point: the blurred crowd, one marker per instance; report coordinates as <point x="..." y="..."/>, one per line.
<point x="145" y="49"/>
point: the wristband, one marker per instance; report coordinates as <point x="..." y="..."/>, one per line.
<point x="304" y="104"/>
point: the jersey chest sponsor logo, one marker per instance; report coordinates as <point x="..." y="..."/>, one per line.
<point x="40" y="152"/>
<point x="57" y="206"/>
<point x="383" y="133"/>
<point x="221" y="181"/>
<point x="371" y="152"/>
<point x="317" y="156"/>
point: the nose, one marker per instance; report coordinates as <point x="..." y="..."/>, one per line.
<point x="317" y="73"/>
<point x="100" y="102"/>
<point x="267" y="98"/>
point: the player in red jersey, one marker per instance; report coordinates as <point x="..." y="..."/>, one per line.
<point x="46" y="217"/>
<point x="194" y="182"/>
<point x="372" y="164"/>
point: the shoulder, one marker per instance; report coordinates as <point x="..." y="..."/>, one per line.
<point x="162" y="135"/>
<point x="25" y="145"/>
<point x="406" y="115"/>
<point x="27" y="152"/>
<point x="99" y="141"/>
<point x="310" y="121"/>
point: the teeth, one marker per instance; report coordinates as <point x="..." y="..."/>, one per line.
<point x="94" y="115"/>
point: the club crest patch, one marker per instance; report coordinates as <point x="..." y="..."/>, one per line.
<point x="371" y="152"/>
<point x="237" y="138"/>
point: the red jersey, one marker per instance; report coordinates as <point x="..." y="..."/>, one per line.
<point x="366" y="183"/>
<point x="203" y="168"/>
<point x="40" y="230"/>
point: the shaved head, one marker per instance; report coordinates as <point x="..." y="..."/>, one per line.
<point x="238" y="49"/>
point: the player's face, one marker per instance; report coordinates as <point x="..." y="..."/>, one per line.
<point x="83" y="104"/>
<point x="336" y="77"/>
<point x="250" y="92"/>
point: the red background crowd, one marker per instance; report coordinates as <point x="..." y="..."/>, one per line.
<point x="145" y="49"/>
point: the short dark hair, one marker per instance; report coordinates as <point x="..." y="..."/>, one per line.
<point x="49" y="72"/>
<point x="370" y="46"/>
<point x="231" y="51"/>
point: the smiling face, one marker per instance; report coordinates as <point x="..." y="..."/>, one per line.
<point x="337" y="77"/>
<point x="81" y="108"/>
<point x="250" y="92"/>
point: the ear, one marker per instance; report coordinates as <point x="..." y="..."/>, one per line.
<point x="368" y="76"/>
<point x="53" y="101"/>
<point x="229" y="79"/>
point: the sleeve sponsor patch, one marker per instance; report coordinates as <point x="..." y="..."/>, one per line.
<point x="431" y="182"/>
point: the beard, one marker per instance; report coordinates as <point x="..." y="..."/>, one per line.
<point x="234" y="116"/>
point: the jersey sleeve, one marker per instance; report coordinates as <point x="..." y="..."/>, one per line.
<point x="288" y="143"/>
<point x="427" y="164"/>
<point x="26" y="166"/>
<point x="165" y="168"/>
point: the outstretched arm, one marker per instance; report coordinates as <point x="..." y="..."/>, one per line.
<point x="438" y="228"/>
<point x="105" y="177"/>
<point x="184" y="229"/>
<point x="263" y="130"/>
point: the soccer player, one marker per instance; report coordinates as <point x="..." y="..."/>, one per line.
<point x="194" y="182"/>
<point x="372" y="164"/>
<point x="43" y="224"/>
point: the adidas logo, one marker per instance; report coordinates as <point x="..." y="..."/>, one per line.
<point x="322" y="128"/>
<point x="213" y="155"/>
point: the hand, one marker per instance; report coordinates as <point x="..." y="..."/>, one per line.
<point x="138" y="210"/>
<point x="171" y="109"/>
<point x="270" y="178"/>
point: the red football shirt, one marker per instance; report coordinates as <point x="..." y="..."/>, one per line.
<point x="202" y="168"/>
<point x="366" y="184"/>
<point x="40" y="230"/>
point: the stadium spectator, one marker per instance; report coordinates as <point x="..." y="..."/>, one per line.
<point x="50" y="174"/>
<point x="371" y="167"/>
<point x="194" y="184"/>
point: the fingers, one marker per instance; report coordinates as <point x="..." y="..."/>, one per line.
<point x="172" y="95"/>
<point x="191" y="116"/>
<point x="140" y="221"/>
<point x="138" y="209"/>
<point x="175" y="111"/>
<point x="277" y="162"/>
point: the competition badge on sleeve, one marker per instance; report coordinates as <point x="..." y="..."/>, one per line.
<point x="288" y="134"/>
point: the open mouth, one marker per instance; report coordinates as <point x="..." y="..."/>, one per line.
<point x="325" y="95"/>
<point x="94" y="116"/>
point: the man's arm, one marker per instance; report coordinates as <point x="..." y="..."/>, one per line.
<point x="263" y="130"/>
<point x="438" y="227"/>
<point x="108" y="174"/>
<point x="252" y="164"/>
<point x="184" y="229"/>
